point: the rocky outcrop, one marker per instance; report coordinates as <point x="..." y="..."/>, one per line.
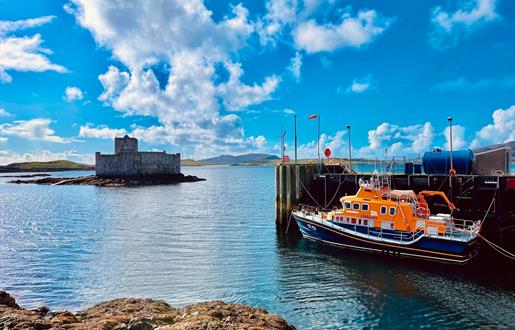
<point x="115" y="182"/>
<point x="140" y="314"/>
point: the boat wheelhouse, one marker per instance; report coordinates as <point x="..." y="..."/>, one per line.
<point x="397" y="222"/>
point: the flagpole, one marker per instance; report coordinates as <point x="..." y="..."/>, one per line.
<point x="318" y="147"/>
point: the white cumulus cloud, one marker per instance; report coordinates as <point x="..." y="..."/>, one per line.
<point x="10" y="156"/>
<point x="359" y="85"/>
<point x="450" y="27"/>
<point x="501" y="130"/>
<point x="101" y="132"/>
<point x="72" y="93"/>
<point x="279" y="14"/>
<point x="37" y="129"/>
<point x="458" y="137"/>
<point x="335" y="142"/>
<point x="295" y="65"/>
<point x="352" y="31"/>
<point x="399" y="140"/>
<point x="184" y="36"/>
<point x="4" y="113"/>
<point x="24" y="53"/>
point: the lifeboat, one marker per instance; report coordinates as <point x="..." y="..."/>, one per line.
<point x="395" y="222"/>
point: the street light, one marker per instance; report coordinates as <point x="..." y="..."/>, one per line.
<point x="452" y="172"/>
<point x="295" y="128"/>
<point x="350" y="149"/>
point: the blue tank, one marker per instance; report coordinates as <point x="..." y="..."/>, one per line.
<point x="438" y="161"/>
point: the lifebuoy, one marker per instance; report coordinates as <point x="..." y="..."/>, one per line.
<point x="421" y="211"/>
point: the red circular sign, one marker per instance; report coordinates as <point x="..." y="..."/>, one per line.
<point x="327" y="152"/>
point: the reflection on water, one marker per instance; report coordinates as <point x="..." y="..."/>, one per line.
<point x="72" y="246"/>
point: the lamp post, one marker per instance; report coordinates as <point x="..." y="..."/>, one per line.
<point x="452" y="172"/>
<point x="295" y="129"/>
<point x="318" y="143"/>
<point x="350" y="149"/>
<point x="283" y="133"/>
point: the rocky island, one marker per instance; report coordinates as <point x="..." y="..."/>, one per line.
<point x="139" y="314"/>
<point x="127" y="167"/>
<point x="126" y="181"/>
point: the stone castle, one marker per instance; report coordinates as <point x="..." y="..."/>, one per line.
<point x="128" y="161"/>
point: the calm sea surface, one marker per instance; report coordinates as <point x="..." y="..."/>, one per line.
<point x="73" y="246"/>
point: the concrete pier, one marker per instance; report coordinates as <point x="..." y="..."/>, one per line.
<point x="472" y="195"/>
<point x="288" y="184"/>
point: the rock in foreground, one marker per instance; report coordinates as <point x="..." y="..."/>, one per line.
<point x="141" y="314"/>
<point x="115" y="182"/>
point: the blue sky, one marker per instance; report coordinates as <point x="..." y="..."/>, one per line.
<point x="213" y="77"/>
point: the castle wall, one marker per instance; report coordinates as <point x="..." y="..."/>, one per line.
<point x="137" y="163"/>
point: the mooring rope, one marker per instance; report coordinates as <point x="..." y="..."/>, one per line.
<point x="498" y="229"/>
<point x="335" y="193"/>
<point x="488" y="210"/>
<point x="288" y="226"/>
<point x="499" y="249"/>
<point x="307" y="191"/>
<point x="494" y="246"/>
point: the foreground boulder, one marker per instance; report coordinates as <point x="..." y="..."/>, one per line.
<point x="140" y="314"/>
<point x="115" y="182"/>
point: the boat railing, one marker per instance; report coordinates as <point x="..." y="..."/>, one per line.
<point x="462" y="229"/>
<point x="398" y="236"/>
<point x="308" y="208"/>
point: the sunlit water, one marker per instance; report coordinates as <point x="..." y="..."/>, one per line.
<point x="73" y="246"/>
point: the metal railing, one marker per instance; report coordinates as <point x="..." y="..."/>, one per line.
<point x="460" y="229"/>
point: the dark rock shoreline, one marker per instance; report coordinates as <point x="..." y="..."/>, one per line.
<point x="114" y="182"/>
<point x="140" y="314"/>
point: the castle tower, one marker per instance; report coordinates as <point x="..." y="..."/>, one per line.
<point x="125" y="144"/>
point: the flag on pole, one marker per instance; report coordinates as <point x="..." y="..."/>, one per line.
<point x="313" y="116"/>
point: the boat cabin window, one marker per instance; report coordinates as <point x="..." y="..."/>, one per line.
<point x="355" y="206"/>
<point x="383" y="210"/>
<point x="347" y="205"/>
<point x="364" y="207"/>
<point x="392" y="210"/>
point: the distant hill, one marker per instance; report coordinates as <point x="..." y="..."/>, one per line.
<point x="191" y="162"/>
<point x="52" y="166"/>
<point x="246" y="159"/>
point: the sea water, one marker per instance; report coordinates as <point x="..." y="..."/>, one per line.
<point x="69" y="247"/>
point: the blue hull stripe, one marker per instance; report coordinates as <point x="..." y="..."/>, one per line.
<point x="427" y="247"/>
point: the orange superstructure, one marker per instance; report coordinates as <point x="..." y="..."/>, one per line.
<point x="381" y="207"/>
